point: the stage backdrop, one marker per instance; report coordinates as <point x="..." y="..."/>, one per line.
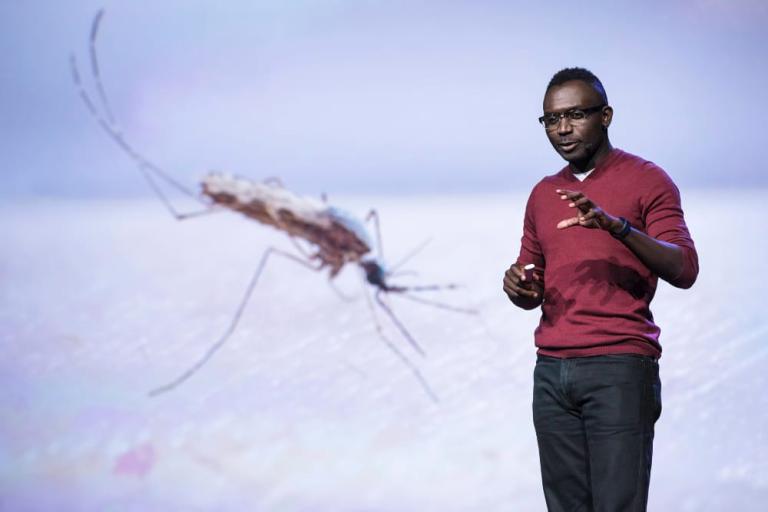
<point x="423" y="110"/>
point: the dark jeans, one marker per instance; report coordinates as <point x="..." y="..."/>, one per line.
<point x="594" y="420"/>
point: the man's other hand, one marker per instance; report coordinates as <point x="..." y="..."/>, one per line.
<point x="524" y="293"/>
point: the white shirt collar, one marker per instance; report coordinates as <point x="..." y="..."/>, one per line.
<point x="583" y="175"/>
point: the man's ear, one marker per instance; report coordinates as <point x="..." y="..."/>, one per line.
<point x="607" y="116"/>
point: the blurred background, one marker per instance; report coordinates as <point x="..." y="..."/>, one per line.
<point x="424" y="109"/>
<point x="375" y="96"/>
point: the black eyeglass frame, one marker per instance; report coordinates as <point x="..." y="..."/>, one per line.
<point x="569" y="115"/>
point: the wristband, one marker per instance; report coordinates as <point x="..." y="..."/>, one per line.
<point x="626" y="227"/>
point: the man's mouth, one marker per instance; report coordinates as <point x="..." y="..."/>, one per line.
<point x="567" y="146"/>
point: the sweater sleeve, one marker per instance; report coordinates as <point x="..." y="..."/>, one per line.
<point x="530" y="248"/>
<point x="663" y="216"/>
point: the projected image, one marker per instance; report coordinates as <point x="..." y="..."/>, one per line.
<point x="254" y="253"/>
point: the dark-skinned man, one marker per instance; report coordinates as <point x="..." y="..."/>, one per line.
<point x="599" y="233"/>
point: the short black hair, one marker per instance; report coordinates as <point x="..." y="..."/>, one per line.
<point x="585" y="75"/>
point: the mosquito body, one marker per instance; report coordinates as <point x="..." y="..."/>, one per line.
<point x="338" y="237"/>
<point x="334" y="237"/>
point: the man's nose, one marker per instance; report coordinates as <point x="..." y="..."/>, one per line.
<point x="564" y="125"/>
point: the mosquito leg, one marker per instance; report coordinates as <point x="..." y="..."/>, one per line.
<point x="299" y="248"/>
<point x="400" y="327"/>
<point x="409" y="255"/>
<point x="107" y="122"/>
<point x="200" y="213"/>
<point x="429" y="287"/>
<point x="373" y="214"/>
<point x="164" y="199"/>
<point x="143" y="164"/>
<point x="343" y="296"/>
<point x="233" y="324"/>
<point x="393" y="348"/>
<point x="440" y="305"/>
<point x="110" y="126"/>
<point x="449" y="307"/>
<point x="95" y="68"/>
<point x="402" y="273"/>
<point x="340" y="294"/>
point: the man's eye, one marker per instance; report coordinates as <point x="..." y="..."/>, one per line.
<point x="551" y="120"/>
<point x="576" y="114"/>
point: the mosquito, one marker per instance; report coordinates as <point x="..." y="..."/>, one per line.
<point x="336" y="237"/>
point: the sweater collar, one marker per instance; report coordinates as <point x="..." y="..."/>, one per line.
<point x="609" y="159"/>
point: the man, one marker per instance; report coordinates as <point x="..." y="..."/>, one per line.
<point x="600" y="233"/>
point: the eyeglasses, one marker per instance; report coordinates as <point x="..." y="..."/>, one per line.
<point x="551" y="120"/>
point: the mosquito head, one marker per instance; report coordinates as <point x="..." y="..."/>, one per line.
<point x="374" y="273"/>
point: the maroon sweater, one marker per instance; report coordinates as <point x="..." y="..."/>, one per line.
<point x="597" y="293"/>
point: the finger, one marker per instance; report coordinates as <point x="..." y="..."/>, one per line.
<point x="510" y="292"/>
<point x="583" y="204"/>
<point x="517" y="290"/>
<point x="514" y="285"/>
<point x="513" y="291"/>
<point x="511" y="278"/>
<point x="589" y="221"/>
<point x="566" y="223"/>
<point x="516" y="270"/>
<point x="569" y="194"/>
<point x="522" y="292"/>
<point x="518" y="275"/>
<point x="592" y="224"/>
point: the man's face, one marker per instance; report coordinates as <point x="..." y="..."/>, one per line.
<point x="577" y="141"/>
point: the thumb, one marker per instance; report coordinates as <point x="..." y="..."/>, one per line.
<point x="566" y="223"/>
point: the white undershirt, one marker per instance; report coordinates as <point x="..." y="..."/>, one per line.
<point x="583" y="175"/>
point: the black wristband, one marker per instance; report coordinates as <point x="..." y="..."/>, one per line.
<point x="626" y="227"/>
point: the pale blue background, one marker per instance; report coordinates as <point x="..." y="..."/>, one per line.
<point x="376" y="96"/>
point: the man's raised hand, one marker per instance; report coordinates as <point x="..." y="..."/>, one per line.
<point x="589" y="215"/>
